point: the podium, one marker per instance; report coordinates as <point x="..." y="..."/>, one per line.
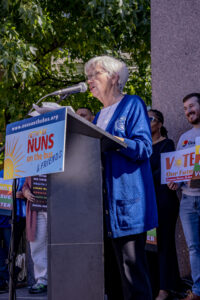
<point x="75" y="214"/>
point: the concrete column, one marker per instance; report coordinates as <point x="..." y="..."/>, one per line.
<point x="175" y="54"/>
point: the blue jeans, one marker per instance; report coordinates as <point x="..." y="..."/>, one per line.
<point x="190" y="218"/>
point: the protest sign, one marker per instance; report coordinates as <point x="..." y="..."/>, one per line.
<point x="6" y="201"/>
<point x="177" y="166"/>
<point x="39" y="190"/>
<point x="152" y="237"/>
<point x="151" y="240"/>
<point x="195" y="181"/>
<point x="36" y="145"/>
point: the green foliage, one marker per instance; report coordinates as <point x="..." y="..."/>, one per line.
<point x="44" y="44"/>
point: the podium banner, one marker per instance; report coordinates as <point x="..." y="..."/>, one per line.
<point x="36" y="145"/>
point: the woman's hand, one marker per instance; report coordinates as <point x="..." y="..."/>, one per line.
<point x="172" y="186"/>
<point x="29" y="196"/>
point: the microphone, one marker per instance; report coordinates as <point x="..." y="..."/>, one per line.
<point x="81" y="87"/>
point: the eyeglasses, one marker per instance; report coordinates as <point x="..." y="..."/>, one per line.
<point x="152" y="119"/>
<point x="95" y="74"/>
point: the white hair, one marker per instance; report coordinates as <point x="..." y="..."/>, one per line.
<point x="110" y="65"/>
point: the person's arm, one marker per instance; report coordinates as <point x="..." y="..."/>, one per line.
<point x="138" y="133"/>
<point x="26" y="190"/>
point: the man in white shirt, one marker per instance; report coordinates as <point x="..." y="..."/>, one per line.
<point x="190" y="202"/>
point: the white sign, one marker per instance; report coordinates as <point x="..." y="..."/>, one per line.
<point x="36" y="145"/>
<point x="177" y="166"/>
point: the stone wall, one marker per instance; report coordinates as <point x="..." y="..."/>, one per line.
<point x="175" y="55"/>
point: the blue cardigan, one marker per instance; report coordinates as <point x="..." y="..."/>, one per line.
<point x="130" y="204"/>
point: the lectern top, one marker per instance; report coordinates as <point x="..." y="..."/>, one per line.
<point x="77" y="124"/>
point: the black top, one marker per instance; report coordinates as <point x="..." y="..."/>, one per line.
<point x="167" y="199"/>
<point x="166" y="145"/>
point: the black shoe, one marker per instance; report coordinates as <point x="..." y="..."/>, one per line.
<point x="20" y="284"/>
<point x="38" y="288"/>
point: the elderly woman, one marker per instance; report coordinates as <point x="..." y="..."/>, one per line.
<point x="130" y="205"/>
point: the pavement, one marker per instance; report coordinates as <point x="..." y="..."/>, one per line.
<point x="23" y="293"/>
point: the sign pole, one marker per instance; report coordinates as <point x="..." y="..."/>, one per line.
<point x="12" y="254"/>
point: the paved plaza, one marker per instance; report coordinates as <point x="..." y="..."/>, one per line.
<point x="23" y="293"/>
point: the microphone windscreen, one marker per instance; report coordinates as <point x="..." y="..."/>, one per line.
<point x="83" y="87"/>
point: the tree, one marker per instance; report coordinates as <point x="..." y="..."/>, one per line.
<point x="44" y="44"/>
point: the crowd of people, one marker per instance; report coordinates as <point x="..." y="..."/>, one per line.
<point x="135" y="200"/>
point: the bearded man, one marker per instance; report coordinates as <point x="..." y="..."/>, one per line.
<point x="190" y="202"/>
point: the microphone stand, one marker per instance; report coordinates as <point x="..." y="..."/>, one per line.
<point x="39" y="102"/>
<point x="62" y="97"/>
<point x="12" y="250"/>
